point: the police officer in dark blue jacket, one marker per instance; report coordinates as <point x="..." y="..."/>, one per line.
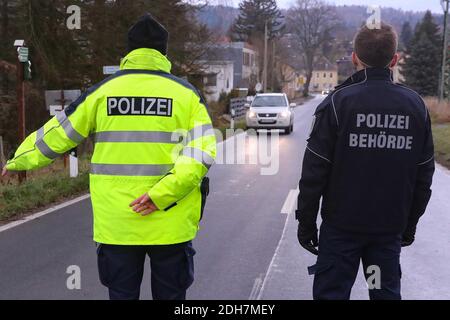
<point x="370" y="158"/>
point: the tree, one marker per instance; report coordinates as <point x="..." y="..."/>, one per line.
<point x="422" y="62"/>
<point x="406" y="36"/>
<point x="253" y="17"/>
<point x="310" y="22"/>
<point x="250" y="26"/>
<point x="73" y="59"/>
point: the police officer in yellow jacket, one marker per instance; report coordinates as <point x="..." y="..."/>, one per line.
<point x="154" y="144"/>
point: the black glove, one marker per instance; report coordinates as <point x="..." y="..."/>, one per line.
<point x="409" y="236"/>
<point x="308" y="239"/>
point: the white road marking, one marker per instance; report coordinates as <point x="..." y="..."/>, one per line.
<point x="290" y="205"/>
<point x="43" y="213"/>
<point x="256" y="288"/>
<point x="291" y="202"/>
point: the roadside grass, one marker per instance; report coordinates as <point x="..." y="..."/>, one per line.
<point x="440" y="111"/>
<point x="42" y="188"/>
<point x="441" y="135"/>
<point x="440" y="116"/>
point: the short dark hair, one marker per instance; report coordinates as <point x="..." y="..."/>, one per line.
<point x="376" y="47"/>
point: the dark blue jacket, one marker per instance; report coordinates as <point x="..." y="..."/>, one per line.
<point x="369" y="156"/>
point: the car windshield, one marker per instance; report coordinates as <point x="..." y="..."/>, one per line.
<point x="269" y="101"/>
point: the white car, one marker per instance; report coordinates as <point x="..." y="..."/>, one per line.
<point x="271" y="111"/>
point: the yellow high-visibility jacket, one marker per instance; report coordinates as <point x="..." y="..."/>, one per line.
<point x="152" y="134"/>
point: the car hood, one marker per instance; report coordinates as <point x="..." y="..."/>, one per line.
<point x="269" y="109"/>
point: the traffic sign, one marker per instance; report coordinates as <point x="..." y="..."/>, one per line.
<point x="259" y="87"/>
<point x="58" y="98"/>
<point x="23" y="53"/>
<point x="110" y="69"/>
<point x="54" y="110"/>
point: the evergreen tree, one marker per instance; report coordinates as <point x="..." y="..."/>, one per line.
<point x="253" y="15"/>
<point x="422" y="62"/>
<point x="406" y="36"/>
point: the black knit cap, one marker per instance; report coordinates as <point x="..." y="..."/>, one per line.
<point x="148" y="33"/>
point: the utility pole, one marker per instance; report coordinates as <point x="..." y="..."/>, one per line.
<point x="22" y="57"/>
<point x="272" y="75"/>
<point x="445" y="6"/>
<point x="265" y="58"/>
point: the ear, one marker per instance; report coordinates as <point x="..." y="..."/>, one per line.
<point x="355" y="59"/>
<point x="394" y="60"/>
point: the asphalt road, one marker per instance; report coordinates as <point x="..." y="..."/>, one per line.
<point x="241" y="230"/>
<point x="247" y="247"/>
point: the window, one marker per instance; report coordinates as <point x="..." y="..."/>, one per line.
<point x="269" y="101"/>
<point x="211" y="80"/>
<point x="324" y="75"/>
<point x="331" y="75"/>
<point x="246" y="59"/>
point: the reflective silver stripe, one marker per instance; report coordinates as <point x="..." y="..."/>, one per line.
<point x="199" y="155"/>
<point x="138" y="136"/>
<point x="422" y="163"/>
<point x="199" y="132"/>
<point x="43" y="147"/>
<point x="130" y="169"/>
<point x="322" y="157"/>
<point x="68" y="128"/>
<point x="40" y="134"/>
<point x="45" y="150"/>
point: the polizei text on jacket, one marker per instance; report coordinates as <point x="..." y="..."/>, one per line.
<point x="387" y="137"/>
<point x="139" y="106"/>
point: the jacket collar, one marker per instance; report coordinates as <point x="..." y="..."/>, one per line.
<point x="146" y="59"/>
<point x="368" y="74"/>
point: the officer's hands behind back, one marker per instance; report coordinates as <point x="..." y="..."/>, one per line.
<point x="144" y="205"/>
<point x="308" y="239"/>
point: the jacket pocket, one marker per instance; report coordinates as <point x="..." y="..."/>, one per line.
<point x="102" y="263"/>
<point x="187" y="274"/>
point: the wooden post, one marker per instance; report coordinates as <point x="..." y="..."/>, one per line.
<point x="2" y="154"/>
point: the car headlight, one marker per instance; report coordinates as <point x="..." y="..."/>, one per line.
<point x="285" y="114"/>
<point x="252" y="114"/>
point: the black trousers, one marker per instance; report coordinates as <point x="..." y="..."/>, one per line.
<point x="339" y="258"/>
<point x="121" y="269"/>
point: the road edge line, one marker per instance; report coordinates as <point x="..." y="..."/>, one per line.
<point x="272" y="262"/>
<point x="43" y="213"/>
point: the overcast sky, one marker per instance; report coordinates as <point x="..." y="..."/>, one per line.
<point x="413" y="5"/>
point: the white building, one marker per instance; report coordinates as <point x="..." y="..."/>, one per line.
<point x="218" y="77"/>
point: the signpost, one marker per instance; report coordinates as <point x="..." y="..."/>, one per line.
<point x="237" y="107"/>
<point x="22" y="57"/>
<point x="56" y="101"/>
<point x="108" y="70"/>
<point x="60" y="97"/>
